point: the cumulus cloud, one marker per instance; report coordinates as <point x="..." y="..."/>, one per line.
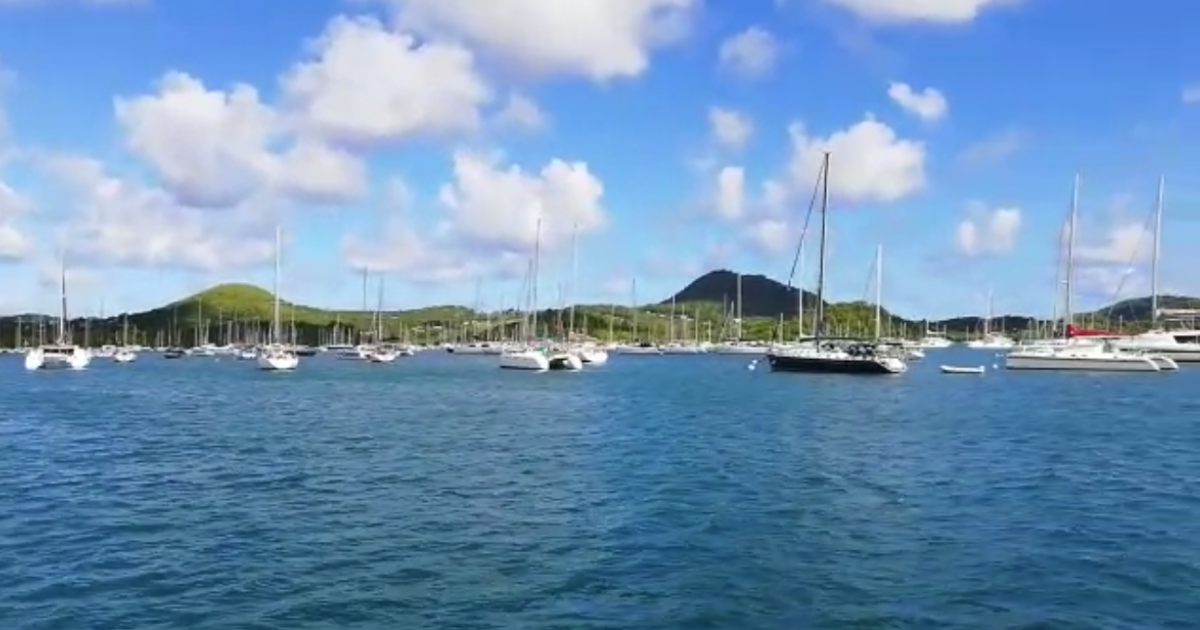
<point x="730" y="128"/>
<point x="121" y="222"/>
<point x="927" y="11"/>
<point x="988" y="231"/>
<point x="751" y="53"/>
<point x="365" y="85"/>
<point x="490" y="215"/>
<point x="599" y="39"/>
<point x="928" y="104"/>
<point x="869" y="162"/>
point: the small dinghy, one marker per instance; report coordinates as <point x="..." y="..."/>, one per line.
<point x="956" y="369"/>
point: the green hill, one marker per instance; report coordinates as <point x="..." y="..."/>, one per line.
<point x="232" y="312"/>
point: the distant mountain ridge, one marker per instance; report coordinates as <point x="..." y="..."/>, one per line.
<point x="766" y="297"/>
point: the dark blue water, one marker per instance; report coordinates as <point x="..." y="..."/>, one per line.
<point x="655" y="493"/>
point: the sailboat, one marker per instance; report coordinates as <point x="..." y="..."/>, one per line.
<point x="588" y="352"/>
<point x="991" y="340"/>
<point x="527" y="357"/>
<point x="277" y="356"/>
<point x="62" y="354"/>
<point x="824" y="354"/>
<point x="1158" y="339"/>
<point x="125" y="353"/>
<point x="737" y="345"/>
<point x="638" y="346"/>
<point x="380" y="352"/>
<point x="1084" y="353"/>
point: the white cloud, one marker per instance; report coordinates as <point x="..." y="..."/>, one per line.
<point x="14" y="243"/>
<point x="731" y="193"/>
<point x="869" y="163"/>
<point x="929" y="11"/>
<point x="124" y="223"/>
<point x="11" y="202"/>
<point x="209" y="148"/>
<point x="599" y="39"/>
<point x="520" y="112"/>
<point x="1190" y="95"/>
<point x="317" y="172"/>
<point x="731" y="129"/>
<point x="366" y="85"/>
<point x="216" y="149"/>
<point x="988" y="231"/>
<point x="750" y="53"/>
<point x="497" y="206"/>
<point x="490" y="223"/>
<point x="928" y="104"/>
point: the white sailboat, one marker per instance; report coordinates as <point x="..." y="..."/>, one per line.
<point x="991" y="340"/>
<point x="125" y="354"/>
<point x="62" y="354"/>
<point x="589" y="353"/>
<point x="277" y="357"/>
<point x="380" y="352"/>
<point x="525" y="357"/>
<point x="1158" y="340"/>
<point x="738" y="345"/>
<point x="1076" y="354"/>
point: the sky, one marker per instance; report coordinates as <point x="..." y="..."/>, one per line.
<point x="153" y="147"/>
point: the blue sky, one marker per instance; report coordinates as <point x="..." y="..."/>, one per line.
<point x="159" y="144"/>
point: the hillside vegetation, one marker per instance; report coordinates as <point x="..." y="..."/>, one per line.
<point x="704" y="306"/>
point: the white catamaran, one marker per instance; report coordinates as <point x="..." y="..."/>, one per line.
<point x="63" y="354"/>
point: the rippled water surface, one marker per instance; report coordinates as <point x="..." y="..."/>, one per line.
<point x="654" y="493"/>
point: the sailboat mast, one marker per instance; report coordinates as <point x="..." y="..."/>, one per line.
<point x="633" y="305"/>
<point x="574" y="280"/>
<point x="62" y="316"/>
<point x="739" y="307"/>
<point x="879" y="292"/>
<point x="379" y="313"/>
<point x="800" y="296"/>
<point x="819" y="325"/>
<point x="537" y="255"/>
<point x="1068" y="314"/>
<point x="276" y="324"/>
<point x="1158" y="208"/>
<point x="987" y="323"/>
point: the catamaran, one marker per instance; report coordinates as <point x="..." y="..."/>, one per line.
<point x="63" y="354"/>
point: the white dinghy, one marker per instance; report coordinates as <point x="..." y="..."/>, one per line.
<point x="963" y="369"/>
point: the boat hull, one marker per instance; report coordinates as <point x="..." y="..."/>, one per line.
<point x="830" y="365"/>
<point x="593" y="356"/>
<point x="1089" y="364"/>
<point x="528" y="361"/>
<point x="565" y="362"/>
<point x="278" y="362"/>
<point x="38" y="359"/>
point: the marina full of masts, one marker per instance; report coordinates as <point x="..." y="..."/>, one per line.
<point x="1075" y="349"/>
<point x="525" y="341"/>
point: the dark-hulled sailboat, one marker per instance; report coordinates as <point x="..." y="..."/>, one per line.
<point x="831" y="355"/>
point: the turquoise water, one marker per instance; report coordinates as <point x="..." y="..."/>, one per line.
<point x="654" y="493"/>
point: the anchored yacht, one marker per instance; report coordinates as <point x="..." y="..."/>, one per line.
<point x="62" y="354"/>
